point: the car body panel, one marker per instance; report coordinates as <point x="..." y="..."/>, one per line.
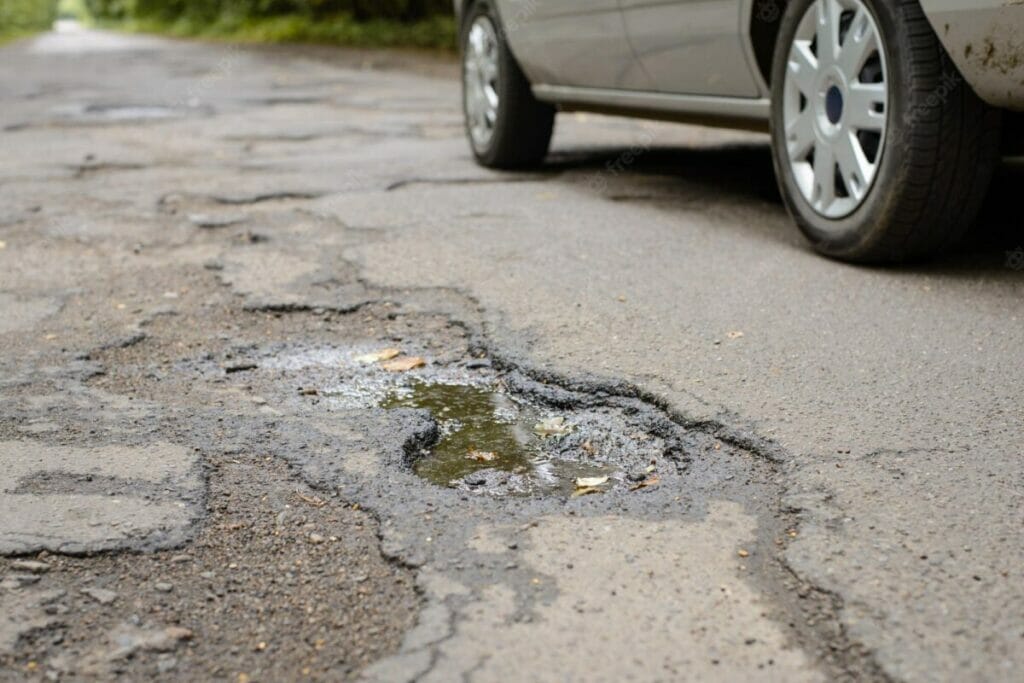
<point x="670" y="36"/>
<point x="631" y="56"/>
<point x="572" y="42"/>
<point x="985" y="39"/>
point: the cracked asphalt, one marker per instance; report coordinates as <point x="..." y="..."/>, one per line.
<point x="199" y="242"/>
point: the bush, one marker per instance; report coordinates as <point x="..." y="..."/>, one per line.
<point x="362" y="23"/>
<point x="360" y="10"/>
<point x="18" y="16"/>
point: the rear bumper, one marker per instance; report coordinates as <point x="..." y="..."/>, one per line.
<point x="985" y="39"/>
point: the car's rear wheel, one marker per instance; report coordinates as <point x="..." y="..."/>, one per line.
<point x="506" y="125"/>
<point x="882" y="150"/>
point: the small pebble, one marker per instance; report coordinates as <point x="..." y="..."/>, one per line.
<point x="100" y="595"/>
<point x="30" y="566"/>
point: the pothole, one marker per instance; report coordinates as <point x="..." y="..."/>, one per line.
<point x="489" y="440"/>
<point x="487" y="431"/>
<point x="496" y="433"/>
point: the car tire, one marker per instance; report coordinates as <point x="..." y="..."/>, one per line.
<point x="517" y="127"/>
<point x="935" y="153"/>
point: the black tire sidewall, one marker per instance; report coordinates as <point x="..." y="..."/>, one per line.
<point x="486" y="8"/>
<point x="858" y="232"/>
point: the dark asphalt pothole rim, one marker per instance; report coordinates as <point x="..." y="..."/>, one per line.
<point x="623" y="441"/>
<point x="486" y="443"/>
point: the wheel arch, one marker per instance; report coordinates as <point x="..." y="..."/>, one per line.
<point x="762" y="30"/>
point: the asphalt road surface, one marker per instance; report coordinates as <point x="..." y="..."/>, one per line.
<point x="814" y="470"/>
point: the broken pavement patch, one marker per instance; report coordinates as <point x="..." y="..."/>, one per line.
<point x="80" y="500"/>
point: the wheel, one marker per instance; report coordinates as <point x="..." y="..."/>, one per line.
<point x="506" y="125"/>
<point x="882" y="150"/>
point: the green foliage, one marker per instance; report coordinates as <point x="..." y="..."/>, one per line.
<point x="22" y="16"/>
<point x="361" y="23"/>
<point x="73" y="9"/>
<point x="360" y="10"/>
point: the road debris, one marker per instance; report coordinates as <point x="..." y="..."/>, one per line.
<point x="481" y="456"/>
<point x="100" y="595"/>
<point x="379" y="356"/>
<point x="552" y="426"/>
<point x="650" y="481"/>
<point x="403" y="364"/>
<point x="30" y="566"/>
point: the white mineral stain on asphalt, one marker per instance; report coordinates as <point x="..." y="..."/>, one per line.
<point x="24" y="313"/>
<point x="634" y="600"/>
<point x="66" y="521"/>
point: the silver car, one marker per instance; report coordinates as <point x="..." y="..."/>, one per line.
<point x="886" y="116"/>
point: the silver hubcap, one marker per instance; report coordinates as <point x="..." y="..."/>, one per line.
<point x="480" y="81"/>
<point x="836" y="104"/>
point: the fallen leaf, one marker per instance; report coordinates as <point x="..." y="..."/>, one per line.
<point x="403" y="364"/>
<point x="590" y="482"/>
<point x="552" y="426"/>
<point x="378" y="356"/>
<point x="735" y="334"/>
<point x="649" y="481"/>
<point x="743" y="553"/>
<point x="586" y="491"/>
<point x="312" y="500"/>
<point x="481" y="456"/>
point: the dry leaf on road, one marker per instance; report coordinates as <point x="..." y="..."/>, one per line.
<point x="481" y="456"/>
<point x="553" y="426"/>
<point x="589" y="482"/>
<point x="586" y="491"/>
<point x="649" y="481"/>
<point x="378" y="356"/>
<point x="736" y="334"/>
<point x="403" y="364"/>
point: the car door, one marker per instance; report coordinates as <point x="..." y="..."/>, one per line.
<point x="572" y="42"/>
<point x="693" y="47"/>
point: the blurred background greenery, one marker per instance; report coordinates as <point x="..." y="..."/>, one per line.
<point x="360" y="23"/>
<point x="20" y="17"/>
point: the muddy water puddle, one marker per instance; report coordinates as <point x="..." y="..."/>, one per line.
<point x="488" y="439"/>
<point x="494" y="431"/>
<point x="488" y="431"/>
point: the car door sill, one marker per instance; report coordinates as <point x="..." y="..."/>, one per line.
<point x="735" y="112"/>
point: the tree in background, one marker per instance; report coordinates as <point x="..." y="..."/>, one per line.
<point x="360" y="10"/>
<point x="23" y="16"/>
<point x="419" y="23"/>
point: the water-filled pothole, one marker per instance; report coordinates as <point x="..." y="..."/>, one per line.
<point x="482" y="435"/>
<point x="488" y="439"/>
